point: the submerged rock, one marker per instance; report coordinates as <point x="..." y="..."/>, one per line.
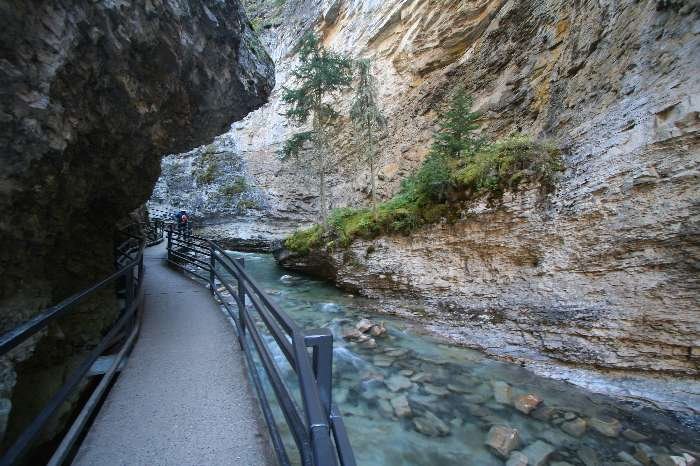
<point x="526" y="403"/>
<point x="538" y="453"/>
<point x="502" y="440"/>
<point x="608" y="426"/>
<point x="517" y="459"/>
<point x="401" y="406"/>
<point x="502" y="392"/>
<point x="398" y="382"/>
<point x="430" y="425"/>
<point x="577" y="427"/>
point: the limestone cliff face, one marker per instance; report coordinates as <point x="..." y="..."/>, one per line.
<point x="93" y="93"/>
<point x="604" y="271"/>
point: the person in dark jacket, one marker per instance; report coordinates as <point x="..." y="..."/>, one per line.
<point x="182" y="219"/>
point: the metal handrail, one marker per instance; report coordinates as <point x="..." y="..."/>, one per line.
<point x="317" y="427"/>
<point x="132" y="291"/>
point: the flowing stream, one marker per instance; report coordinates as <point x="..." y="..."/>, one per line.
<point x="415" y="400"/>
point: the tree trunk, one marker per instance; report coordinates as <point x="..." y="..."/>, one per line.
<point x="372" y="169"/>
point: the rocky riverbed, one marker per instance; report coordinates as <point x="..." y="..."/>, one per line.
<point x="408" y="398"/>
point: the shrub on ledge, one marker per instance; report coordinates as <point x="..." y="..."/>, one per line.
<point x="441" y="188"/>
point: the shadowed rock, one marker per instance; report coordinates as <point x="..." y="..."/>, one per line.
<point x="93" y="93"/>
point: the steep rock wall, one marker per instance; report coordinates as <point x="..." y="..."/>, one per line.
<point x="604" y="271"/>
<point x="93" y="93"/>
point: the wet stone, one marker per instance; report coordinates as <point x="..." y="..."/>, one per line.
<point x="608" y="426"/>
<point x="457" y="388"/>
<point x="401" y="406"/>
<point x="479" y="411"/>
<point x="542" y="413"/>
<point x="634" y="436"/>
<point x="385" y="408"/>
<point x="577" y="427"/>
<point x="629" y="459"/>
<point x="406" y="372"/>
<point x="421" y="377"/>
<point x="364" y="325"/>
<point x="378" y="330"/>
<point x="588" y="456"/>
<point x="435" y="390"/>
<point x="397" y="353"/>
<point x="502" y="392"/>
<point x="369" y="343"/>
<point x="527" y="403"/>
<point x="502" y="440"/>
<point x="430" y="425"/>
<point x="517" y="459"/>
<point x="398" y="382"/>
<point x="538" y="453"/>
<point x="669" y="460"/>
<point x="381" y="361"/>
<point x="643" y="454"/>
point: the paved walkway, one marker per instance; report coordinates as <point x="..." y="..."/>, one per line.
<point x="183" y="397"/>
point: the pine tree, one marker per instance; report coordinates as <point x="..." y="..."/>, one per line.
<point x="321" y="75"/>
<point x="368" y="121"/>
<point x="455" y="138"/>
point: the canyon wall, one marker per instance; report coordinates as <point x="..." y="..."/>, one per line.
<point x="93" y="94"/>
<point x="604" y="271"/>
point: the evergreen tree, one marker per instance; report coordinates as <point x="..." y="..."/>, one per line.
<point x="368" y="121"/>
<point x="455" y="138"/>
<point x="321" y="75"/>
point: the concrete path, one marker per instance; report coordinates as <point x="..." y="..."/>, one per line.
<point x="183" y="397"/>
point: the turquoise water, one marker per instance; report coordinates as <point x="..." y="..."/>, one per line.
<point x="446" y="394"/>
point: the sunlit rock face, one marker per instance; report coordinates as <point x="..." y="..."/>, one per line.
<point x="92" y="95"/>
<point x="604" y="271"/>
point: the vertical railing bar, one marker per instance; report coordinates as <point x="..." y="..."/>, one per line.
<point x="286" y="401"/>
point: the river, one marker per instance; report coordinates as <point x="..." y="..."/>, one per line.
<point x="449" y="398"/>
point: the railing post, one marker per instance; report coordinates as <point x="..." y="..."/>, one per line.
<point x="129" y="293"/>
<point x="241" y="296"/>
<point x="212" y="265"/>
<point x="170" y="238"/>
<point x="321" y="340"/>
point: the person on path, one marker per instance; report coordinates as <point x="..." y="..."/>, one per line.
<point x="182" y="222"/>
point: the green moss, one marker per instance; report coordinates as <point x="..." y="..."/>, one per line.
<point x="506" y="164"/>
<point x="302" y="241"/>
<point x="439" y="190"/>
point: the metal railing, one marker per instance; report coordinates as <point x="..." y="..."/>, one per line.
<point x="317" y="426"/>
<point x="128" y="281"/>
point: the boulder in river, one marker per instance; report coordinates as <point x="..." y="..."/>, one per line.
<point x="526" y="403"/>
<point x="502" y="440"/>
